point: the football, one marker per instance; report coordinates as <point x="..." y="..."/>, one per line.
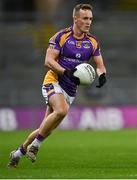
<point x="86" y="73"/>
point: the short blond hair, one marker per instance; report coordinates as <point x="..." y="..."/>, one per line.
<point x="81" y="6"/>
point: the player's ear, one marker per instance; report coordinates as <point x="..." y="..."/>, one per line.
<point x="75" y="19"/>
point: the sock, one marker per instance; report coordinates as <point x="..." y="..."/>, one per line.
<point x="38" y="140"/>
<point x="20" y="152"/>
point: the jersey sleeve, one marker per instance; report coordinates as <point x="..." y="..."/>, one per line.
<point x="54" y="41"/>
<point x="97" y="51"/>
<point x="58" y="40"/>
<point x="95" y="46"/>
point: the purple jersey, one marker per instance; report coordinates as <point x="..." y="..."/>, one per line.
<point x="73" y="51"/>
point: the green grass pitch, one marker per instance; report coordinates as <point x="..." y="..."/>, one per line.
<point x="74" y="155"/>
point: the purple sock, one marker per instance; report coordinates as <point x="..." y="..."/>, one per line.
<point x="23" y="151"/>
<point x="40" y="137"/>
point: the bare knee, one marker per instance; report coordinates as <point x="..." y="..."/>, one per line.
<point x="61" y="112"/>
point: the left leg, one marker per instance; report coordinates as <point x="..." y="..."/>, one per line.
<point x="33" y="135"/>
<point x="16" y="154"/>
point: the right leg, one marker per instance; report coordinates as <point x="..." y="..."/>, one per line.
<point x="60" y="109"/>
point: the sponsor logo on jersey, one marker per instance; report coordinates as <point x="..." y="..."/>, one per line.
<point x="72" y="60"/>
<point x="78" y="55"/>
<point x="86" y="45"/>
<point x="71" y="42"/>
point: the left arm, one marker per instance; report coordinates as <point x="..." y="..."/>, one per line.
<point x="99" y="64"/>
<point x="101" y="70"/>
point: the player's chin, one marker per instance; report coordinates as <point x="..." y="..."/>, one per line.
<point x="86" y="30"/>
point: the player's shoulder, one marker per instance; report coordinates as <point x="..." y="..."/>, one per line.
<point x="92" y="37"/>
<point x="61" y="33"/>
<point x="66" y="30"/>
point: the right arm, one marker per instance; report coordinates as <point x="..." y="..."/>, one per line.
<point x="52" y="55"/>
<point x="51" y="58"/>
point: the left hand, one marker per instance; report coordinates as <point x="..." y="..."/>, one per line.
<point x="102" y="80"/>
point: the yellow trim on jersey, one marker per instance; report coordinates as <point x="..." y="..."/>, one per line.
<point x="94" y="42"/>
<point x="50" y="77"/>
<point x="52" y="90"/>
<point x="63" y="38"/>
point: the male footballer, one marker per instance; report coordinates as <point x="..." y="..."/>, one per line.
<point x="67" y="49"/>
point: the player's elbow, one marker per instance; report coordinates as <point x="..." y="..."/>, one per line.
<point x="47" y="63"/>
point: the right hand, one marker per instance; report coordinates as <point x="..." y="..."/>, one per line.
<point x="70" y="75"/>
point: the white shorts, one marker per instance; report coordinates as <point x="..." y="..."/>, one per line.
<point x="50" y="89"/>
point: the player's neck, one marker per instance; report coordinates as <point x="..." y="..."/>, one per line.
<point x="77" y="33"/>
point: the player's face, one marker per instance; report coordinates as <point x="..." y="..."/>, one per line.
<point x="83" y="20"/>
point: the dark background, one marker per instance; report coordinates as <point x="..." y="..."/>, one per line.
<point x="25" y="28"/>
